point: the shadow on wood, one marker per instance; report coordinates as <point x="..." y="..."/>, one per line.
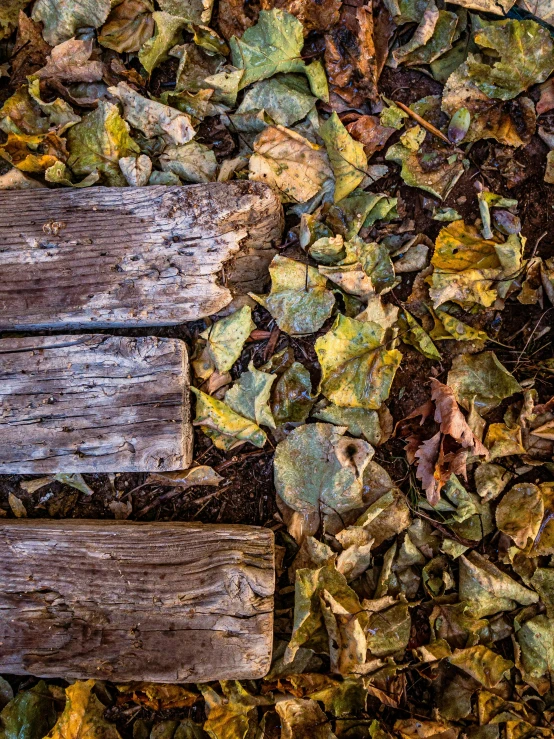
<point x="111" y="600"/>
<point x="94" y="403"/>
<point x="147" y="256"/>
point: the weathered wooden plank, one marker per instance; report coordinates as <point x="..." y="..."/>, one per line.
<point x="171" y="602"/>
<point x="93" y="404"/>
<point x="105" y="257"/>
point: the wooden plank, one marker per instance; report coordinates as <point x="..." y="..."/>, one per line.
<point x="111" y="600"/>
<point x="147" y="256"/>
<point x="93" y="404"/>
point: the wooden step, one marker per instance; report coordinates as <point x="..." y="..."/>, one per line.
<point x="93" y="403"/>
<point x="147" y="256"/>
<point x="165" y="602"/>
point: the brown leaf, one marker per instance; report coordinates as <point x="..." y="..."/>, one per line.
<point x="452" y="420"/>
<point x="427" y="456"/>
<point x="70" y="61"/>
<point x="315" y="15"/>
<point x="350" y="56"/>
<point x="30" y="50"/>
<point x="370" y="133"/>
<point x="232" y="19"/>
<point x="128" y="26"/>
<point x="546" y="101"/>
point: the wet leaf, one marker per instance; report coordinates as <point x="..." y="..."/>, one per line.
<point x="98" y="143"/>
<point x="30" y="715"/>
<point x="83" y="715"/>
<point x="285" y="97"/>
<point x="346" y="155"/>
<point x="299" y="300"/>
<point x="317" y="469"/>
<point x="226" y="428"/>
<point x="289" y="163"/>
<point x="357" y="370"/>
<point x="128" y="27"/>
<point x="62" y="18"/>
<point x="273" y="45"/>
<point x="152" y="118"/>
<point x="482" y="664"/>
<point x="481" y="379"/>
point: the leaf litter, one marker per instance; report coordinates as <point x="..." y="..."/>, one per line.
<point x="385" y="406"/>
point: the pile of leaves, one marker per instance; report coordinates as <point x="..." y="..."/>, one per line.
<point x="397" y="374"/>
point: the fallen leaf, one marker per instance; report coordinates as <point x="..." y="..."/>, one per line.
<point x="249" y="396"/>
<point x="313" y="16"/>
<point x="192" y="162"/>
<point x="70" y="61"/>
<point x="359" y="421"/>
<point x="451" y="419"/>
<point x="9" y="14"/>
<point x="273" y="45"/>
<point x="347" y="156"/>
<point x="62" y="18"/>
<point x="520" y="512"/>
<point x="482" y="663"/>
<point x="303" y="719"/>
<point x="136" y="170"/>
<point x="167" y="34"/>
<point x="299" y="300"/>
<point x="226" y="428"/>
<point x="30" y="50"/>
<point x="201" y="475"/>
<point x="291" y="397"/>
<point x="128" y="27"/>
<point x="536" y="661"/>
<point x="412" y="333"/>
<point x="357" y="370"/>
<point x="31" y="714"/>
<point x="285" y="97"/>
<point x="98" y="142"/>
<point x="368" y="131"/>
<point x="289" y="163"/>
<point x="481" y="379"/>
<point x="225" y="339"/>
<point x="83" y="715"/>
<point x="33" y="153"/>
<point x="234" y="714"/>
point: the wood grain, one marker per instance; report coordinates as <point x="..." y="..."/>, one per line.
<point x="105" y="257"/>
<point x="93" y="404"/>
<point x="171" y="602"/>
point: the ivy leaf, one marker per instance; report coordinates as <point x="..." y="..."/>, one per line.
<point x="346" y="155"/>
<point x="289" y="163"/>
<point x="299" y="300"/>
<point x="83" y="715"/>
<point x="62" y="18"/>
<point x="226" y="428"/>
<point x="356" y="369"/>
<point x="318" y="469"/>
<point x="481" y="379"/>
<point x="98" y="143"/>
<point x="30" y="715"/>
<point x="273" y="45"/>
<point x="523" y="55"/>
<point x="249" y="396"/>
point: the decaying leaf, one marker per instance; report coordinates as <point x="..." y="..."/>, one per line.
<point x="30" y="714"/>
<point x="83" y="715"/>
<point x="481" y="380"/>
<point x="482" y="663"/>
<point x="226" y="428"/>
<point x="128" y="27"/>
<point x="249" y="396"/>
<point x="299" y="300"/>
<point x="62" y="18"/>
<point x="346" y="155"/>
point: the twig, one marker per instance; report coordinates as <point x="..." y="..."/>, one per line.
<point x="422" y="122"/>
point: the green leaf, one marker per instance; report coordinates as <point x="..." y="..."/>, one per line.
<point x="359" y="421"/>
<point x="60" y="114"/>
<point x="536" y="641"/>
<point x="315" y="72"/>
<point x="292" y="398"/>
<point x="346" y="155"/>
<point x="482" y="379"/>
<point x="523" y="55"/>
<point x="273" y="45"/>
<point x="168" y="34"/>
<point x="360" y="209"/>
<point x="249" y="396"/>
<point x="83" y="715"/>
<point x="192" y="162"/>
<point x="59" y="174"/>
<point x="318" y="469"/>
<point x="225" y="338"/>
<point x="30" y="715"/>
<point x="62" y="18"/>
<point x="431" y="48"/>
<point x="98" y="143"/>
<point x="356" y="369"/>
<point x="299" y="300"/>
<point x="289" y="163"/>
<point x="285" y="97"/>
<point x="226" y="428"/>
<point x="484" y="665"/>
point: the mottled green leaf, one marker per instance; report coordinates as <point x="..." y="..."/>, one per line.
<point x="359" y="421"/>
<point x="346" y="155"/>
<point x="62" y="18"/>
<point x="249" y="396"/>
<point x="168" y="34"/>
<point x="192" y="162"/>
<point x="481" y="379"/>
<point x="30" y="715"/>
<point x="225" y="338"/>
<point x="412" y="333"/>
<point x="292" y="399"/>
<point x="285" y="97"/>
<point x="225" y="427"/>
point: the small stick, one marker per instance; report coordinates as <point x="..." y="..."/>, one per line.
<point x="422" y="122"/>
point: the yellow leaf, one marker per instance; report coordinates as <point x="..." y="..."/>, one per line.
<point x="83" y="716"/>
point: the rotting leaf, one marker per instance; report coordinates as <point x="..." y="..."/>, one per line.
<point x="482" y="663"/>
<point x="62" y="18"/>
